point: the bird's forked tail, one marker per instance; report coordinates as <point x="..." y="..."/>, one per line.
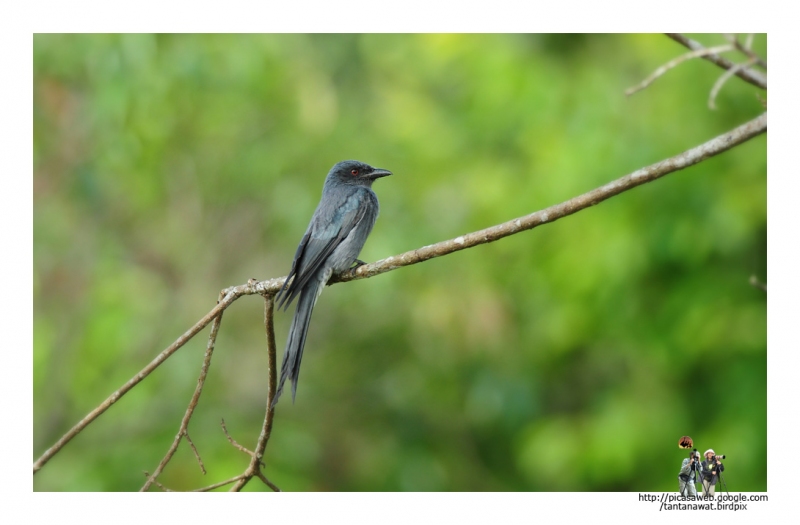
<point x="297" y="338"/>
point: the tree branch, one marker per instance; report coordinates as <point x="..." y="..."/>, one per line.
<point x="132" y="382"/>
<point x="650" y="173"/>
<point x="269" y="287"/>
<point x="748" y="75"/>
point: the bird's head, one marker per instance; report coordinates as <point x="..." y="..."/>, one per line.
<point x="353" y="172"/>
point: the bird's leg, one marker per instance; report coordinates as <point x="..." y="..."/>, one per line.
<point x="352" y="270"/>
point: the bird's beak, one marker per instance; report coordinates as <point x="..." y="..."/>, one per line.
<point x="377" y="173"/>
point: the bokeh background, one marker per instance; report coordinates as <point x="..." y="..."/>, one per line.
<point x="568" y="358"/>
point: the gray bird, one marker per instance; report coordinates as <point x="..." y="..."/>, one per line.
<point x="338" y="230"/>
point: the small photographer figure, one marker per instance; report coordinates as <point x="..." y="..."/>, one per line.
<point x="712" y="467"/>
<point x="690" y="470"/>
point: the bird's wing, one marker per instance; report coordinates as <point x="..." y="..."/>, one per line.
<point x="295" y="263"/>
<point x="325" y="233"/>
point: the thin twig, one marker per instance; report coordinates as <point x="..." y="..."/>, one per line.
<point x="187" y="416"/>
<point x="269" y="329"/>
<point x="688" y="158"/>
<point x="675" y="62"/>
<point x="157" y="484"/>
<point x="749" y="75"/>
<point x="267" y="482"/>
<point x="194" y="449"/>
<point x="724" y="78"/>
<point x="233" y="441"/>
<point x="220" y="484"/>
<point x="254" y="469"/>
<point x="746" y="48"/>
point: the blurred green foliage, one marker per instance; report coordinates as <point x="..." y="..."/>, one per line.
<point x="572" y="357"/>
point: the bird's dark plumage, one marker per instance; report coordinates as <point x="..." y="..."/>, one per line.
<point x="338" y="230"/>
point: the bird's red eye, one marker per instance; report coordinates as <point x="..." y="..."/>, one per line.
<point x="354" y="172"/>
